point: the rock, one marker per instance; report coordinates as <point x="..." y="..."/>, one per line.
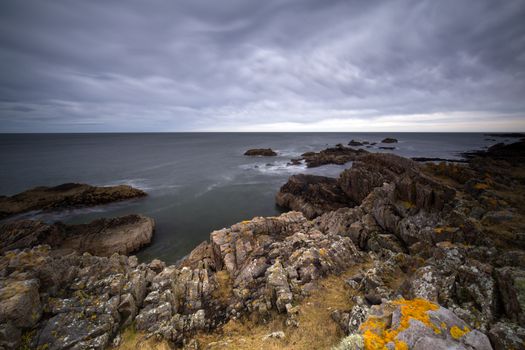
<point x="511" y="282"/>
<point x="336" y="155"/>
<point x="355" y="143"/>
<point x="505" y="335"/>
<point x="67" y="330"/>
<point x="104" y="237"/>
<point x="387" y="148"/>
<point x="69" y="195"/>
<point x="10" y="336"/>
<point x="419" y="324"/>
<point x="389" y="140"/>
<point x="265" y="152"/>
<point x="312" y="195"/>
<point x="29" y="233"/>
<point x="20" y="302"/>
<point x="274" y="335"/>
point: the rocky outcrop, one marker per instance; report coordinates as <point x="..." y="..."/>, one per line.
<point x="70" y="195"/>
<point x="389" y="140"/>
<point x="336" y="155"/>
<point x="312" y="195"/>
<point x="67" y="301"/>
<point x="103" y="237"/>
<point x="253" y="267"/>
<point x="265" y="152"/>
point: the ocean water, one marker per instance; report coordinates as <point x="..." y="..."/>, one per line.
<point x="197" y="182"/>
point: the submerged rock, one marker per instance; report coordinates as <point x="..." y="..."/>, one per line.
<point x="70" y="195"/>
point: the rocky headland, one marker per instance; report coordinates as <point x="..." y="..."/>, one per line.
<point x="65" y="196"/>
<point x="392" y="254"/>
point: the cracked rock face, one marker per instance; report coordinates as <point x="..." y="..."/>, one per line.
<point x="266" y="261"/>
<point x="77" y="301"/>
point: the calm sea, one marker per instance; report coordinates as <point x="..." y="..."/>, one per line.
<point x="197" y="182"/>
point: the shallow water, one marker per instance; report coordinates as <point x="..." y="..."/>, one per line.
<point x="197" y="182"/>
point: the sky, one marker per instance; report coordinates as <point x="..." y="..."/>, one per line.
<point x="252" y="65"/>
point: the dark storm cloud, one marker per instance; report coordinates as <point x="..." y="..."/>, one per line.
<point x="261" y="65"/>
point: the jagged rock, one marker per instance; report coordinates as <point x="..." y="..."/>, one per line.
<point x="505" y="335"/>
<point x="511" y="281"/>
<point x="265" y="152"/>
<point x="85" y="298"/>
<point x="64" y="196"/>
<point x="10" y="336"/>
<point x="29" y="233"/>
<point x="20" y="302"/>
<point x="336" y="155"/>
<point x="312" y="195"/>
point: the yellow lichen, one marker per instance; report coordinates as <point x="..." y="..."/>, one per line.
<point x="375" y="332"/>
<point x="457" y="332"/>
<point x="323" y="252"/>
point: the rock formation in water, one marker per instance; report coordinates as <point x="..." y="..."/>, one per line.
<point x="265" y="152"/>
<point x="433" y="256"/>
<point x="389" y="140"/>
<point x="336" y="155"/>
<point x="70" y="195"/>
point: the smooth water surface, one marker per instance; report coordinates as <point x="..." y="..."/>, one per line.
<point x="197" y="182"/>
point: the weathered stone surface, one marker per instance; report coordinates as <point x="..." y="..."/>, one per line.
<point x="105" y="237"/>
<point x="102" y="237"/>
<point x="68" y="195"/>
<point x="505" y="335"/>
<point x="511" y="281"/>
<point x="312" y="195"/>
<point x="420" y="324"/>
<point x="19" y="302"/>
<point x="336" y="155"/>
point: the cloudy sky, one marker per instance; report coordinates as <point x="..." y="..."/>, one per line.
<point x="252" y="65"/>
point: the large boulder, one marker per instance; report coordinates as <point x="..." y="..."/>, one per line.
<point x="69" y="195"/>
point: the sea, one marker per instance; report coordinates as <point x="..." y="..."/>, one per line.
<point x="196" y="182"/>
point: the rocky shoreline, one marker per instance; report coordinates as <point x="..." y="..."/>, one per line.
<point x="428" y="256"/>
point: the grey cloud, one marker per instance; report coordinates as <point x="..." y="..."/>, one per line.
<point x="241" y="64"/>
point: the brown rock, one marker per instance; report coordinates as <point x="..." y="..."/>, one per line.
<point x="265" y="152"/>
<point x="68" y="195"/>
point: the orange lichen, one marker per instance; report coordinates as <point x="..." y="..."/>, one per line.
<point x="457" y="332"/>
<point x="375" y="332"/>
